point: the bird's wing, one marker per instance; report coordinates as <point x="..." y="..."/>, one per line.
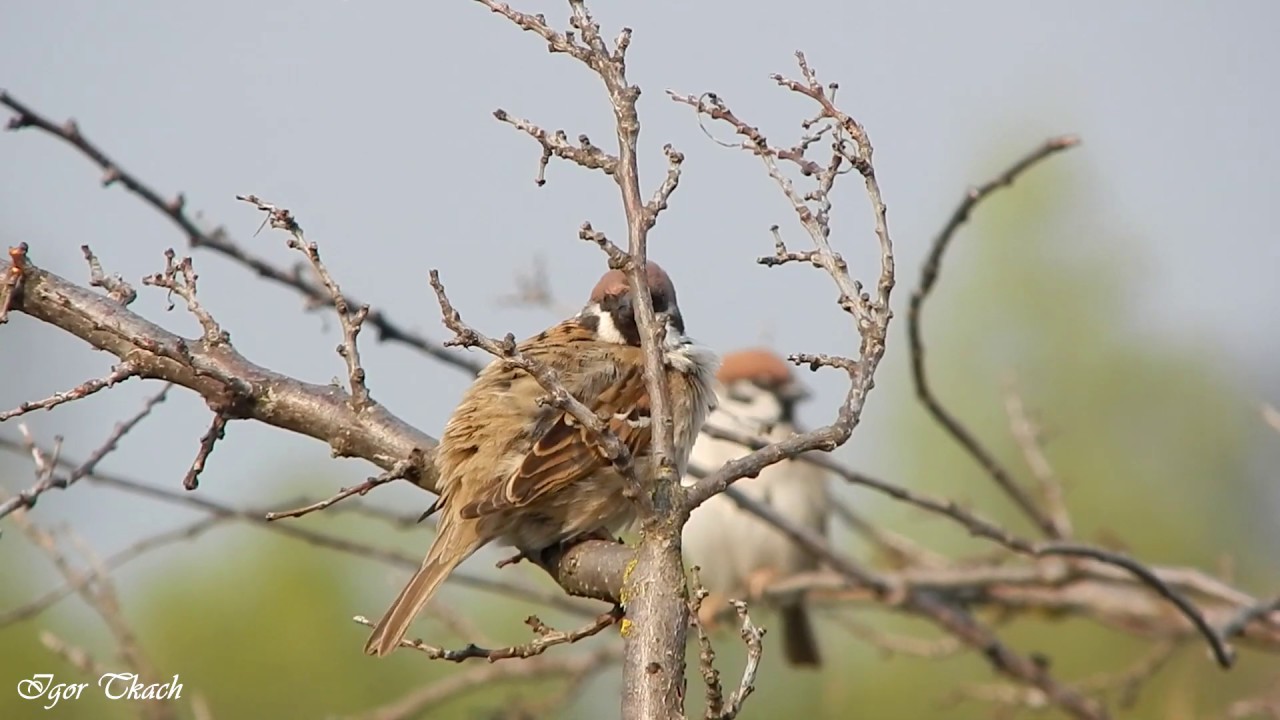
<point x="565" y="452"/>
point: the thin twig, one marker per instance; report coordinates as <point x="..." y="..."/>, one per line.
<point x="898" y="549"/>
<point x="928" y="278"/>
<point x="753" y="637"/>
<point x="179" y="278"/>
<point x="352" y="320"/>
<point x="75" y="656"/>
<point x="116" y="287"/>
<point x="52" y="481"/>
<point x="533" y="288"/>
<point x="1247" y="615"/>
<point x="1027" y="436"/>
<point x="111" y="562"/>
<point x="557" y="144"/>
<point x="891" y="644"/>
<point x="706" y="652"/>
<point x="121" y="372"/>
<point x="547" y="638"/>
<point x="217" y="239"/>
<point x="100" y="595"/>
<point x="573" y="667"/>
<point x="662" y="196"/>
<point x="11" y="283"/>
<point x="257" y="517"/>
<point x="1222" y="652"/>
<point x="363" y="488"/>
<point x="217" y="430"/>
<point x="1129" y="681"/>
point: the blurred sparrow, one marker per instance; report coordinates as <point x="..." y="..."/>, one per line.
<point x="737" y="552"/>
<point x="529" y="475"/>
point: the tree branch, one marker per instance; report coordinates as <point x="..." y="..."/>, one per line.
<point x="928" y="278"/>
<point x="217" y="239"/>
<point x="225" y="378"/>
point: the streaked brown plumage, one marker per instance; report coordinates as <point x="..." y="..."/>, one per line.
<point x="530" y="476"/>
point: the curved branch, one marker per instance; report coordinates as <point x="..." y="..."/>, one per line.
<point x="915" y="334"/>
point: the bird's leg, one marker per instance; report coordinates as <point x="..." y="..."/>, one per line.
<point x="513" y="559"/>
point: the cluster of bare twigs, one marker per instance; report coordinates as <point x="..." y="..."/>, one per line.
<point x="1054" y="573"/>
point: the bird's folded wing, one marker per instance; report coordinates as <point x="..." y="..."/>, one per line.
<point x="567" y="452"/>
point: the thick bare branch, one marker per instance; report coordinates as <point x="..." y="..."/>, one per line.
<point x="224" y="378"/>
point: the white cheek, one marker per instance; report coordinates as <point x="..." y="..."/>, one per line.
<point x="607" y="331"/>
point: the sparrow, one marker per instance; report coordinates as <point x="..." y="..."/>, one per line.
<point x="738" y="553"/>
<point x="523" y="473"/>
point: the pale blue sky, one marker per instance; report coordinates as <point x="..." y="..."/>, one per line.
<point x="372" y="121"/>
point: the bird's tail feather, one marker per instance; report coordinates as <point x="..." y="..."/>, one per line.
<point x="798" y="641"/>
<point x="452" y="546"/>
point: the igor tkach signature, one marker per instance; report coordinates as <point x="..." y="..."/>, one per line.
<point x="116" y="686"/>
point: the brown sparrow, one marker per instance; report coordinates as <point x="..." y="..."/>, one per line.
<point x="529" y="475"/>
<point x="737" y="552"/>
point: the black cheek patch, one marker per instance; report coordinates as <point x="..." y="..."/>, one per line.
<point x="624" y="318"/>
<point x="626" y="324"/>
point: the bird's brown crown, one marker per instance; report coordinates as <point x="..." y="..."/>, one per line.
<point x="762" y="366"/>
<point x="614" y="282"/>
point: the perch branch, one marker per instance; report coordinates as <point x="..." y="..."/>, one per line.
<point x="226" y="379"/>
